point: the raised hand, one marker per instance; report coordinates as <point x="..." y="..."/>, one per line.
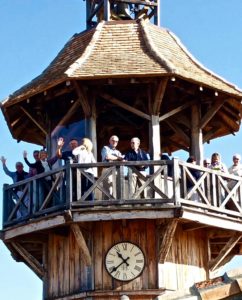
<point x="3" y="160"/>
<point x="60" y="142"/>
<point x="25" y="154"/>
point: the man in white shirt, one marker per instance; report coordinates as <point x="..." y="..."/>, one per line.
<point x="235" y="169"/>
<point x="110" y="153"/>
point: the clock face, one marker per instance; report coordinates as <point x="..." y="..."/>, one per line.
<point x="124" y="261"/>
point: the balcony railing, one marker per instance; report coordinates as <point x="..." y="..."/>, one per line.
<point x="161" y="183"/>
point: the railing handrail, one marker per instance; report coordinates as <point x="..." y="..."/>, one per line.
<point x="165" y="189"/>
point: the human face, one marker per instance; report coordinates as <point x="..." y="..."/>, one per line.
<point x="236" y="160"/>
<point x="113" y="141"/>
<point x="43" y="155"/>
<point x="36" y="155"/>
<point x="134" y="144"/>
<point x="19" y="167"/>
<point x="73" y="144"/>
<point x="215" y="159"/>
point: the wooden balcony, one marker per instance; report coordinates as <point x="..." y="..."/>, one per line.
<point x="60" y="199"/>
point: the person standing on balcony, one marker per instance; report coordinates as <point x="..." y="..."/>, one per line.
<point x="43" y="164"/>
<point x="84" y="155"/>
<point x="68" y="154"/>
<point x="216" y="163"/>
<point x="137" y="154"/>
<point x="33" y="171"/>
<point x="17" y="176"/>
<point x="110" y="153"/>
<point x="206" y="163"/>
<point x="235" y="169"/>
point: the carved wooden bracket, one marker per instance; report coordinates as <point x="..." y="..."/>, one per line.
<point x="30" y="260"/>
<point x="214" y="263"/>
<point x="86" y="256"/>
<point x="166" y="237"/>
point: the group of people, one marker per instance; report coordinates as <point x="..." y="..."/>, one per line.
<point x="216" y="164"/>
<point x="79" y="153"/>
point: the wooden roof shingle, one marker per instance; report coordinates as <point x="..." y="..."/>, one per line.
<point x="123" y="49"/>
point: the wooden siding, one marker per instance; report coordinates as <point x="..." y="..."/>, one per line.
<point x="68" y="273"/>
<point x="187" y="260"/>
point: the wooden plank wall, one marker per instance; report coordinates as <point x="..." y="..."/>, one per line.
<point x="67" y="274"/>
<point x="187" y="260"/>
<point x="140" y="232"/>
<point x="185" y="264"/>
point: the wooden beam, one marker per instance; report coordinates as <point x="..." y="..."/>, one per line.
<point x="82" y="97"/>
<point x="167" y="235"/>
<point x="125" y="106"/>
<point x="213" y="264"/>
<point x="30" y="260"/>
<point x="209" y="135"/>
<point x="33" y="120"/>
<point x="68" y="115"/>
<point x="181" y="133"/>
<point x="176" y="110"/>
<point x="159" y="95"/>
<point x="226" y="123"/>
<point x="196" y="147"/>
<point x="86" y="256"/>
<point x="193" y="226"/>
<point x="210" y="113"/>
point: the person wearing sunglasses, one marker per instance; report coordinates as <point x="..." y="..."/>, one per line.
<point x="110" y="153"/>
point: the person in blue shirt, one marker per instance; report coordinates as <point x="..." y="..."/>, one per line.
<point x="137" y="154"/>
<point x="17" y="176"/>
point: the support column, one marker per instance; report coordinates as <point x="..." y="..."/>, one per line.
<point x="154" y="138"/>
<point x="92" y="126"/>
<point x="196" y="147"/>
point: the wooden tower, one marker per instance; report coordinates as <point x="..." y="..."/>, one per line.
<point x="129" y="77"/>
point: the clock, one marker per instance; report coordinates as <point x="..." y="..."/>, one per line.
<point x="125" y="261"/>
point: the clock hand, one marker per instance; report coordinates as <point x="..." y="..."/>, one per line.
<point x="123" y="262"/>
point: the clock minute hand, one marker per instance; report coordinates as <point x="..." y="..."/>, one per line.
<point x="124" y="260"/>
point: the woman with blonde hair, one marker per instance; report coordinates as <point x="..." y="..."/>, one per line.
<point x="84" y="156"/>
<point x="216" y="163"/>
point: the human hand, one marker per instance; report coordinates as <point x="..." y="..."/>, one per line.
<point x="25" y="154"/>
<point x="60" y="142"/>
<point x="3" y="160"/>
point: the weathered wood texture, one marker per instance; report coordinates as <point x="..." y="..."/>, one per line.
<point x="68" y="272"/>
<point x="140" y="232"/>
<point x="187" y="260"/>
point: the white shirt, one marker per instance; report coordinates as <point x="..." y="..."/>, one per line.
<point x="85" y="157"/>
<point x="236" y="170"/>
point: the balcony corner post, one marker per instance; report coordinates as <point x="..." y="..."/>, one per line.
<point x="176" y="181"/>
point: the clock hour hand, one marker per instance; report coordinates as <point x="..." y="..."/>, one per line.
<point x="124" y="260"/>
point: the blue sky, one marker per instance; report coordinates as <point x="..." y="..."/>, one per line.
<point x="33" y="32"/>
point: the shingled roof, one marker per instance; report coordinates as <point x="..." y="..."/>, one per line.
<point x="123" y="49"/>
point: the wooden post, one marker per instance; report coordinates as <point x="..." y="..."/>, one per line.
<point x="106" y="10"/>
<point x="176" y="181"/>
<point x="92" y="126"/>
<point x="7" y="203"/>
<point x="155" y="148"/>
<point x="196" y="148"/>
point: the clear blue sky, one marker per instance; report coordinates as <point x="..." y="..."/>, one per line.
<point x="33" y="32"/>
